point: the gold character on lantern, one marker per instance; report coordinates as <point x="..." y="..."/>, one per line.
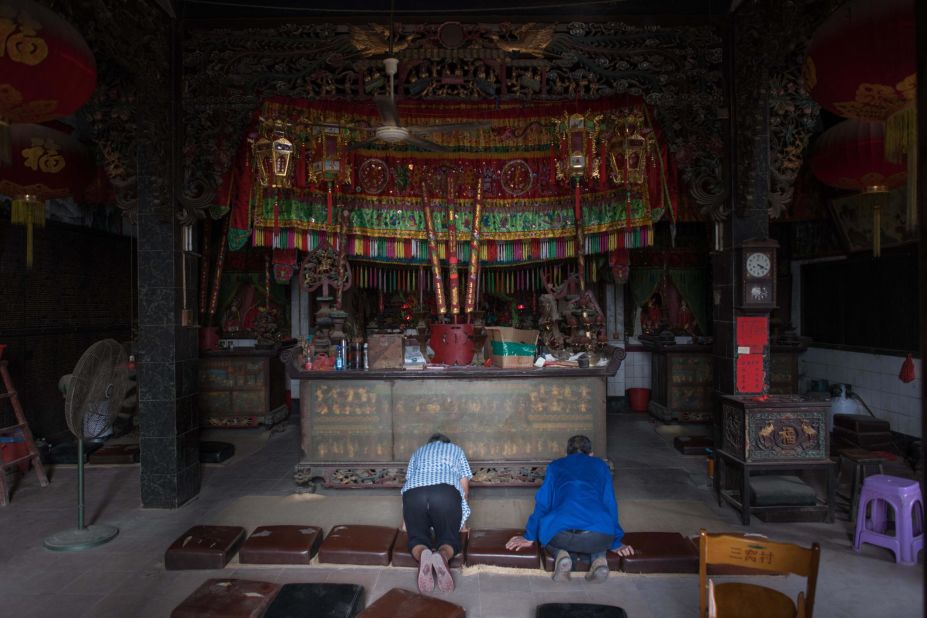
<point x="23" y="46"/>
<point x="43" y="156"/>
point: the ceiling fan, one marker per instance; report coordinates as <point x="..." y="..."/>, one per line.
<point x="392" y="131"/>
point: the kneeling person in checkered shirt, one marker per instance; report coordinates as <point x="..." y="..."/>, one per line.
<point x="434" y="498"/>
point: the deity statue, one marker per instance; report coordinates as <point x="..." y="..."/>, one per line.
<point x="551" y="337"/>
<point x="231" y="320"/>
<point x="652" y="314"/>
<point x="686" y="319"/>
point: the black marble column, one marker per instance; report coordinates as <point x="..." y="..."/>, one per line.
<point x="167" y="363"/>
<point x="167" y="351"/>
<point x="747" y="76"/>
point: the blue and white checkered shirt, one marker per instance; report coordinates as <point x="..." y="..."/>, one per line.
<point x="437" y="463"/>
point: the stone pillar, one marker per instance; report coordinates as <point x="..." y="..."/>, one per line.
<point x="749" y="138"/>
<point x="167" y="363"/>
<point x="168" y="352"/>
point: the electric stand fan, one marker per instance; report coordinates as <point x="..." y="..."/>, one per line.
<point x="95" y="392"/>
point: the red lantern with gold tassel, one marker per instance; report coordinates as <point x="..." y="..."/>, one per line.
<point x="861" y="64"/>
<point x="861" y="61"/>
<point x="46" y="164"/>
<point x="851" y="156"/>
<point x="46" y="69"/>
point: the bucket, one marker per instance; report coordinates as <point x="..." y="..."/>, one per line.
<point x="452" y="343"/>
<point x="638" y="398"/>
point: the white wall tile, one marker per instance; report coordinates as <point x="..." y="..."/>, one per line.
<point x="890" y="364"/>
<point x="870" y="380"/>
<point x="912" y="406"/>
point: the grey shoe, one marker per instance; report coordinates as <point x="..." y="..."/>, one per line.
<point x="563" y="564"/>
<point x="598" y="571"/>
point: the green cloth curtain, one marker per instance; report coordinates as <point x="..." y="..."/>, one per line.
<point x="691" y="283"/>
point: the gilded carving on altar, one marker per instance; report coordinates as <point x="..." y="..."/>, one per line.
<point x="782" y="436"/>
<point x="348" y="421"/>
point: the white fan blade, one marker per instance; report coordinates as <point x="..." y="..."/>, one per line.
<point x="447" y="128"/>
<point x="388" y="112"/>
<point x="424" y="144"/>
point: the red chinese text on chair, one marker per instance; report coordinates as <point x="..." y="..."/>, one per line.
<point x="732" y="599"/>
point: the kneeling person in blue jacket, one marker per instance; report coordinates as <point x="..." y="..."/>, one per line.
<point x="575" y="512"/>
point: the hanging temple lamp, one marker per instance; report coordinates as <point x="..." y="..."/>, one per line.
<point x="46" y="164"/>
<point x="850" y="155"/>
<point x="272" y="153"/>
<point x="861" y="64"/>
<point x="47" y="71"/>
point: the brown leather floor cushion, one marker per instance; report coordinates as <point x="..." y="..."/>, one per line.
<point x="317" y="601"/>
<point x="399" y="603"/>
<point x="281" y="545"/>
<point x="488" y="547"/>
<point x="660" y="552"/>
<point x="115" y="454"/>
<point x="402" y="557"/>
<point x="579" y="610"/>
<point x="614" y="562"/>
<point x="204" y="547"/>
<point x="228" y="598"/>
<point x="354" y="544"/>
<point x="692" y="445"/>
<point x="861" y="423"/>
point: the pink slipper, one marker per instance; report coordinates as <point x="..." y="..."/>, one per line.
<point x="426" y="580"/>
<point x="445" y="581"/>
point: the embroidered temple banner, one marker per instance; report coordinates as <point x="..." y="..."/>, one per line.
<point x="520" y="158"/>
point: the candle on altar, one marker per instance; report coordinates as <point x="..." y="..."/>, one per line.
<point x="433" y="252"/>
<point x="473" y="273"/>
<point x="453" y="277"/>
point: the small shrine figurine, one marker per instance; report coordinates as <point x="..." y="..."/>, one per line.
<point x="652" y="315"/>
<point x="265" y="327"/>
<point x="686" y="320"/>
<point x="231" y="320"/>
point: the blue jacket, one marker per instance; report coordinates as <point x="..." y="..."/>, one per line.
<point x="577" y="494"/>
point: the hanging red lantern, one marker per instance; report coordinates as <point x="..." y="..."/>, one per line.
<point x="46" y="69"/>
<point x="861" y="64"/>
<point x="861" y="61"/>
<point x="851" y="156"/>
<point x="46" y="164"/>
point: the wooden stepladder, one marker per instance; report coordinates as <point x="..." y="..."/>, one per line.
<point x="20" y="428"/>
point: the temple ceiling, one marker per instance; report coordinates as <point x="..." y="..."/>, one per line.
<point x="676" y="70"/>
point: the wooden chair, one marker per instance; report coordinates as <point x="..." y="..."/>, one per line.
<point x="749" y="600"/>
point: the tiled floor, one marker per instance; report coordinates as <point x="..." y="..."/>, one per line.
<point x="657" y="488"/>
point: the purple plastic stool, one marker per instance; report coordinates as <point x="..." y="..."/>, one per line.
<point x="904" y="497"/>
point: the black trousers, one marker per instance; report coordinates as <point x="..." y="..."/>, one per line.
<point x="433" y="507"/>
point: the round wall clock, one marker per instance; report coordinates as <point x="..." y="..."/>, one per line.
<point x="758" y="265"/>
